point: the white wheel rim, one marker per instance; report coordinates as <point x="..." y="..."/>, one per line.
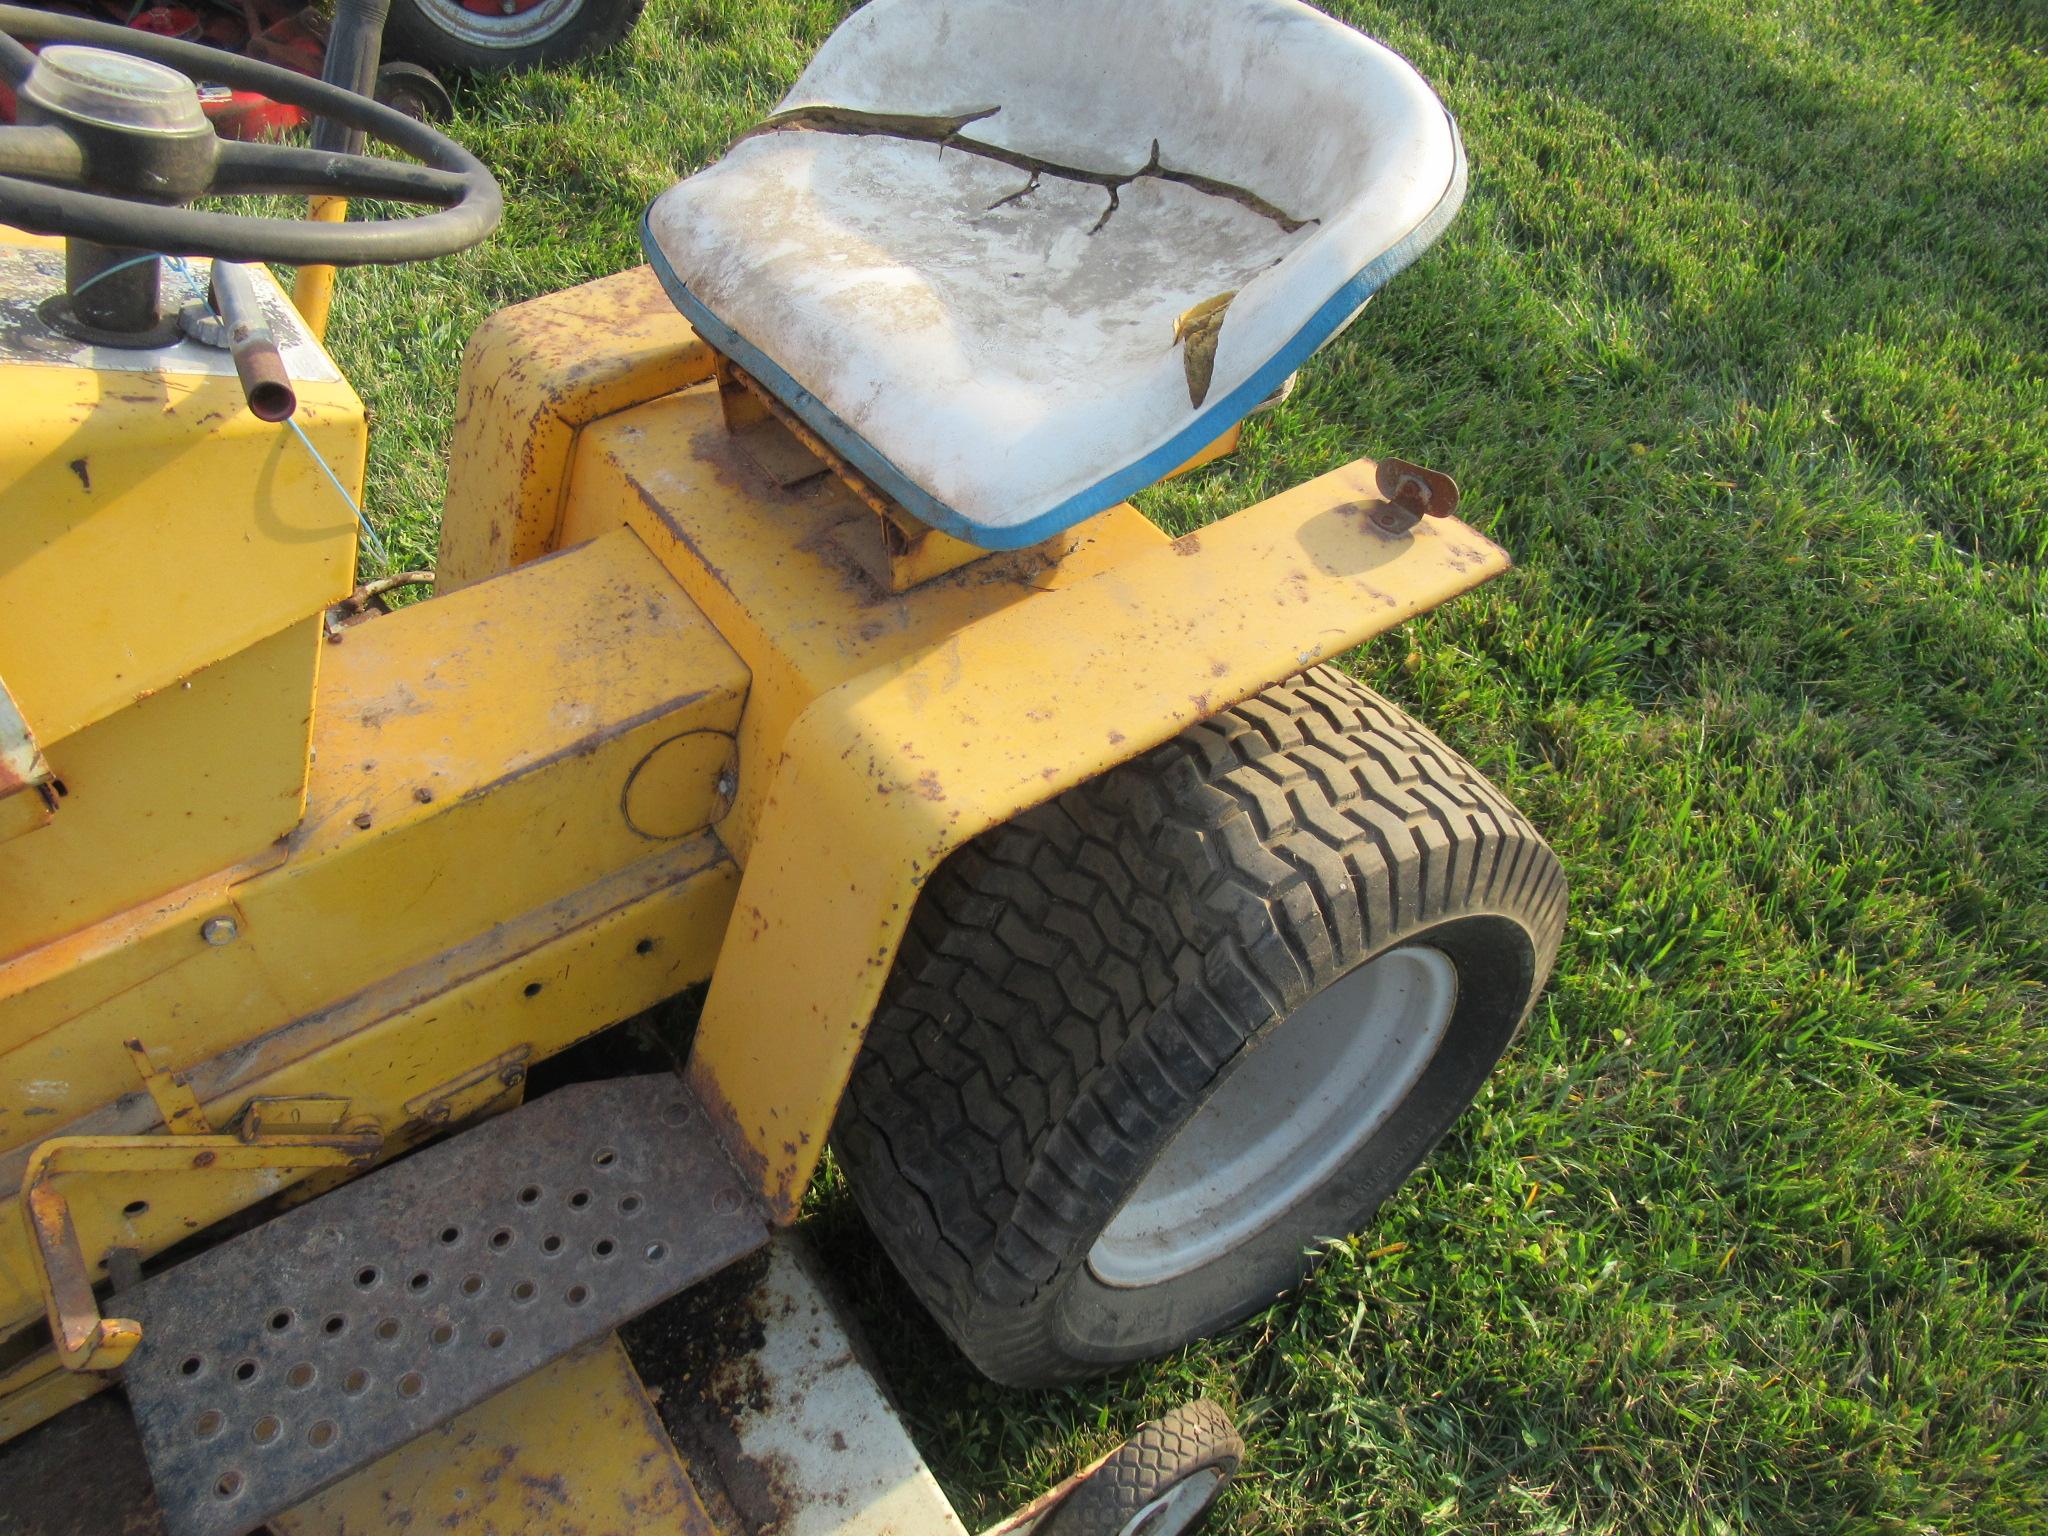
<point x="506" y="30"/>
<point x="1175" y="1510"/>
<point x="1298" y="1102"/>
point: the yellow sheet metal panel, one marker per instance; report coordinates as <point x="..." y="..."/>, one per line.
<point x="532" y="377"/>
<point x="523" y="709"/>
<point x="573" y="1450"/>
<point x="885" y="775"/>
<point x="513" y="742"/>
<point x="26" y="810"/>
<point x="444" y="699"/>
<point x="163" y="555"/>
<point x="152" y="525"/>
<point x="769" y="567"/>
<point x="188" y="780"/>
<point x="416" y="1052"/>
<point x="126" y="953"/>
<point x="87" y="969"/>
<point x="477" y="758"/>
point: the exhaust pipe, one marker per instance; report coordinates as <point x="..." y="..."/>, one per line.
<point x="247" y="335"/>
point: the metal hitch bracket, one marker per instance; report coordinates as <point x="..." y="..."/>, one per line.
<point x="85" y="1340"/>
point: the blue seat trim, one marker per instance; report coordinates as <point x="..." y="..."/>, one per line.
<point x="1208" y="425"/>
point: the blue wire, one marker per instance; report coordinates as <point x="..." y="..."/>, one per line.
<point x="178" y="265"/>
<point x="194" y="284"/>
<point x="107" y="272"/>
<point x="369" y="534"/>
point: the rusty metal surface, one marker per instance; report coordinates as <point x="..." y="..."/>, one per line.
<point x="252" y="344"/>
<point x="900" y="552"/>
<point x="81" y="1474"/>
<point x="733" y="379"/>
<point x="279" y="1362"/>
<point x="1415" y="490"/>
<point x="85" y="1340"/>
<point x="533" y="376"/>
<point x="760" y="432"/>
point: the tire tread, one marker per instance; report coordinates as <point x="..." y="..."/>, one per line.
<point x="1017" y="1067"/>
<point x="1191" y="1438"/>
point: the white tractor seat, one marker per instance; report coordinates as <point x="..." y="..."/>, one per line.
<point x="983" y="248"/>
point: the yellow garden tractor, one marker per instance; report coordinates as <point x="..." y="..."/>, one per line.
<point x="795" y="650"/>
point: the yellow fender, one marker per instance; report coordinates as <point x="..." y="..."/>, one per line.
<point x="884" y="776"/>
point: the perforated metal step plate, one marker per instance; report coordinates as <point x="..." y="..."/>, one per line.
<point x="294" y="1354"/>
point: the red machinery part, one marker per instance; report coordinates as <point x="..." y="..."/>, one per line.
<point x="247" y="115"/>
<point x="281" y="37"/>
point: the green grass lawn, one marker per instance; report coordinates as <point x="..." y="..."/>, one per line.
<point x="1738" y="347"/>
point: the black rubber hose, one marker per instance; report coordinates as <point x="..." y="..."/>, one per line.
<point x="355" y="43"/>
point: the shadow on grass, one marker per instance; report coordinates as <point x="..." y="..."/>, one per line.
<point x="1880" y="227"/>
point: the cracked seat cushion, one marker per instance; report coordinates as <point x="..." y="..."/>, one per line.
<point x="1017" y="259"/>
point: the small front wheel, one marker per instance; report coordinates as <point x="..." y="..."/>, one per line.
<point x="414" y="90"/>
<point x="490" y="35"/>
<point x="1163" y="1481"/>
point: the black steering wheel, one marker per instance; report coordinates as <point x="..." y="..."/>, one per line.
<point x="85" y="164"/>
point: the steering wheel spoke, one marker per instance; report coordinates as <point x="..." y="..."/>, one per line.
<point x="42" y="154"/>
<point x="48" y="181"/>
<point x="289" y="169"/>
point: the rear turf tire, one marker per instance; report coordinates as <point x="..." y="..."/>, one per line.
<point x="1079" y="985"/>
